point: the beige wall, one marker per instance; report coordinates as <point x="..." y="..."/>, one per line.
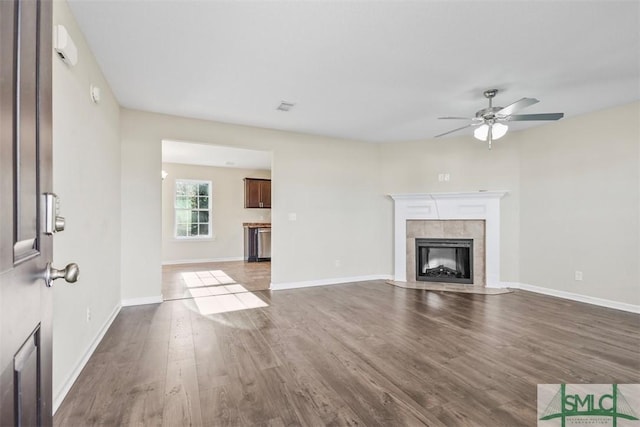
<point x="580" y="204"/>
<point x="413" y="167"/>
<point x="330" y="184"/>
<point x="86" y="177"/>
<point x="141" y="207"/>
<point x="228" y="213"/>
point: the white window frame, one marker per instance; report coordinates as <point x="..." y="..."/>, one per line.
<point x="208" y="209"/>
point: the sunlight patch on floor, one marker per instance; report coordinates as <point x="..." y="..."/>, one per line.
<point x="206" y="278"/>
<point x="215" y="292"/>
<point x="227" y="303"/>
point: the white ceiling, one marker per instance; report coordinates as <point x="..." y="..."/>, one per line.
<point x="368" y="70"/>
<point x="214" y="155"/>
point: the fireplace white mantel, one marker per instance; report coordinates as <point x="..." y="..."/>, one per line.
<point x="482" y="205"/>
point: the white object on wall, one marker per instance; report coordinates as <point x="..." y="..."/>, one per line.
<point x="64" y="45"/>
<point x="94" y="91"/>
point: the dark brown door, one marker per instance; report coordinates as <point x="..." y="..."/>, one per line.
<point x="25" y="175"/>
<point x="265" y="194"/>
<point x="257" y="193"/>
<point x="251" y="193"/>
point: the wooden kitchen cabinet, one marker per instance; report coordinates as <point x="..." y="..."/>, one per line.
<point x="257" y="193"/>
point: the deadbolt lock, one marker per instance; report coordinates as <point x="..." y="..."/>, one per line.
<point x="53" y="223"/>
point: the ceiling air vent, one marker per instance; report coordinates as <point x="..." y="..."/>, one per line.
<point x="285" y="106"/>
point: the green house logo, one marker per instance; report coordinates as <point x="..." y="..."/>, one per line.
<point x="589" y="404"/>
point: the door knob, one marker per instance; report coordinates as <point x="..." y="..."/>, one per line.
<point x="70" y="274"/>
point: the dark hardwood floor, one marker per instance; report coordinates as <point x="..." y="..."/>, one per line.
<point x="366" y="354"/>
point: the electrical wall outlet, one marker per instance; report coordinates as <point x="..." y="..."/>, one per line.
<point x="578" y="275"/>
<point x="88" y="314"/>
<point x="338" y="263"/>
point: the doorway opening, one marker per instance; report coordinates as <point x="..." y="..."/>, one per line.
<point x="205" y="216"/>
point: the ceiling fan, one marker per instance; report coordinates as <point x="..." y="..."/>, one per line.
<point x="491" y="119"/>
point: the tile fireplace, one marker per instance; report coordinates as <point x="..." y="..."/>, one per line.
<point x="474" y="216"/>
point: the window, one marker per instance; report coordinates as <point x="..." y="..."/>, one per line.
<point x="193" y="208"/>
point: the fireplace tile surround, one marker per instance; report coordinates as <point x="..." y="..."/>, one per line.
<point x="463" y="215"/>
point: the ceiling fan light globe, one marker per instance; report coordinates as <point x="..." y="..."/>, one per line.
<point x="499" y="130"/>
<point x="481" y="132"/>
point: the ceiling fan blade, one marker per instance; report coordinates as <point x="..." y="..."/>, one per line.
<point x="516" y="106"/>
<point x="455" y="130"/>
<point x="455" y="118"/>
<point x="530" y="117"/>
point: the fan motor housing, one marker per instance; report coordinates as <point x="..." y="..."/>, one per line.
<point x="488" y="113"/>
<point x="490" y="93"/>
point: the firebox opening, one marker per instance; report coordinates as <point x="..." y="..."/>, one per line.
<point x="444" y="260"/>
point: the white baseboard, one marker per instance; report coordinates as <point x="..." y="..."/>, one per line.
<point x="575" y="297"/>
<point x="201" y="261"/>
<point x="142" y="301"/>
<point x="60" y="394"/>
<point x="325" y="282"/>
<point x="498" y="285"/>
